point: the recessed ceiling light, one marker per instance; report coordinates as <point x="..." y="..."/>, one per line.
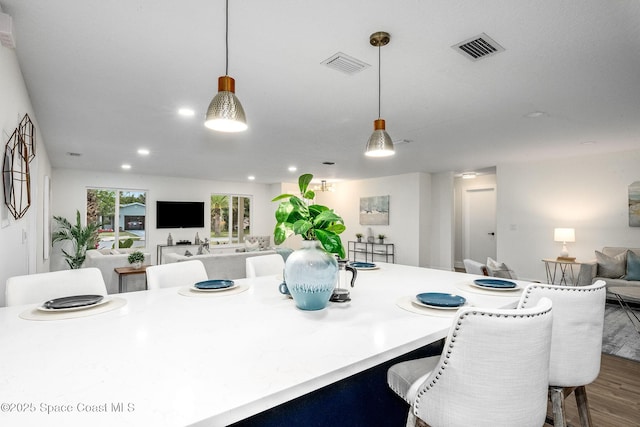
<point x="535" y="114"/>
<point x="126" y="166"/>
<point x="588" y="143"/>
<point x="187" y="112"/>
<point x="251" y="177"/>
<point x="143" y="152"/>
<point x="469" y="175"/>
<point x="292" y="168"/>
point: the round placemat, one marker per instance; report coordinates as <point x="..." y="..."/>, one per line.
<point x="406" y="303"/>
<point x="188" y="292"/>
<point x="464" y="286"/>
<point x="34" y="314"/>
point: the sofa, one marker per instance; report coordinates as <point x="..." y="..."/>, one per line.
<point x="229" y="265"/>
<point x="106" y="260"/>
<point x="617" y="266"/>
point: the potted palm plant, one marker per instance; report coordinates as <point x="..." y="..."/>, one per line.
<point x="310" y="272"/>
<point x="81" y="238"/>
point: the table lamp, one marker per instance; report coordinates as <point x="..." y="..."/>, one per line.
<point x="564" y="235"/>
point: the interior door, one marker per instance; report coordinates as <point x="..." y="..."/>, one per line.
<point x="480" y="223"/>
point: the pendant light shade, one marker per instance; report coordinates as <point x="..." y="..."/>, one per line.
<point x="380" y="143"/>
<point x="225" y="112"/>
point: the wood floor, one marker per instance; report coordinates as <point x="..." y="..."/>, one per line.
<point x="614" y="398"/>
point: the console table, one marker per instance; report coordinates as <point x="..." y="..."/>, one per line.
<point x="372" y="251"/>
<point x="126" y="271"/>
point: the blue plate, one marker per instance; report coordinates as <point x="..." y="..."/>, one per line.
<point x="214" y="284"/>
<point x="438" y="299"/>
<point x="362" y="265"/>
<point x="495" y="283"/>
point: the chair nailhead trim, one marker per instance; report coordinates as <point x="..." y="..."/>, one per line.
<point x="445" y="361"/>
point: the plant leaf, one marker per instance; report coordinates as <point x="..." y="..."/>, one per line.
<point x="280" y="197"/>
<point x="301" y="227"/>
<point x="330" y="242"/>
<point x="303" y="182"/>
<point x="283" y="211"/>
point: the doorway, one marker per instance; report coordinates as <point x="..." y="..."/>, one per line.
<point x="479" y="223"/>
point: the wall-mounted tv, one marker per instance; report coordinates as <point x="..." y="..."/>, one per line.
<point x="179" y="214"/>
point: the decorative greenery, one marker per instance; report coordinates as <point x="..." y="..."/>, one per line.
<point x="381" y="236"/>
<point x="80" y="237"/>
<point x="136" y="256"/>
<point x="359" y="235"/>
<point x="298" y="216"/>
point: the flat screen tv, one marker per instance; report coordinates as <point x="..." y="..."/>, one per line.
<point x="179" y="214"/>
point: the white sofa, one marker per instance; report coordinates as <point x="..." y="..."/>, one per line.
<point x="106" y="260"/>
<point x="229" y="265"/>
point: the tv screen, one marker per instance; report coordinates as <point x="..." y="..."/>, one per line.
<point x="179" y="214"/>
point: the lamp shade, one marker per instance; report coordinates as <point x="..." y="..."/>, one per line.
<point x="379" y="144"/>
<point x="225" y="113"/>
<point x="564" y="235"/>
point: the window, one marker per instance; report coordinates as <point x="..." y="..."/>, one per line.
<point x="230" y="218"/>
<point x="121" y="215"/>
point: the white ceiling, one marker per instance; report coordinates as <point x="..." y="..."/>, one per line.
<point x="107" y="77"/>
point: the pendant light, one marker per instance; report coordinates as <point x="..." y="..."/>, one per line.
<point x="379" y="144"/>
<point x="225" y="113"/>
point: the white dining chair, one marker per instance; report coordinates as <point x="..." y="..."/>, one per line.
<point x="576" y="346"/>
<point x="475" y="267"/>
<point x="174" y="274"/>
<point x="264" y="265"/>
<point x="41" y="287"/>
<point x="493" y="371"/>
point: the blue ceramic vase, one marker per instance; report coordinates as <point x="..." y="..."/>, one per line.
<point x="311" y="275"/>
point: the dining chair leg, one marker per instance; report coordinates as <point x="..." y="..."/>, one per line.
<point x="583" y="406"/>
<point x="556" y="394"/>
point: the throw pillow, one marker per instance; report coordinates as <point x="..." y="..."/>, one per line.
<point x="499" y="269"/>
<point x="611" y="267"/>
<point x="633" y="266"/>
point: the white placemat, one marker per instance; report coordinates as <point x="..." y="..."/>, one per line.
<point x="406" y="303"/>
<point x="464" y="286"/>
<point x="189" y="292"/>
<point x="114" y="303"/>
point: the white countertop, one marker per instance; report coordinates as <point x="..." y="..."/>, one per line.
<point x="175" y="360"/>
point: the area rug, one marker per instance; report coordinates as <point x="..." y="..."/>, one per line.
<point x="620" y="337"/>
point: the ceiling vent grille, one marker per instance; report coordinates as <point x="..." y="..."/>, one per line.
<point x="345" y="63"/>
<point x="478" y="47"/>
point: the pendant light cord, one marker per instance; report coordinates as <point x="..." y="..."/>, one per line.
<point x="379" y="84"/>
<point x="226" y="38"/>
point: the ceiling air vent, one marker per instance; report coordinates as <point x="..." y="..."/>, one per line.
<point x="345" y="63"/>
<point x="478" y="47"/>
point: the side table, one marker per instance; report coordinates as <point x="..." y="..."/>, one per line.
<point x="620" y="292"/>
<point x="564" y="266"/>
<point x="126" y="271"/>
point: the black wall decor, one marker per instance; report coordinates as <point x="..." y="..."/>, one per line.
<point x="18" y="152"/>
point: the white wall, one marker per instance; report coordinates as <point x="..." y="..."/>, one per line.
<point x="407" y="215"/>
<point x="69" y="192"/>
<point x="587" y="193"/>
<point x="441" y="231"/>
<point x="22" y="246"/>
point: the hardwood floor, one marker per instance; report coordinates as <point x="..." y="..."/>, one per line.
<point x="614" y="397"/>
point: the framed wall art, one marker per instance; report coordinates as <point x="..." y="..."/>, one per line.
<point x="374" y="210"/>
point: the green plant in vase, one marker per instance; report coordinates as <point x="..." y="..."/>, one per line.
<point x="297" y="216"/>
<point x="311" y="272"/>
<point x="136" y="259"/>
